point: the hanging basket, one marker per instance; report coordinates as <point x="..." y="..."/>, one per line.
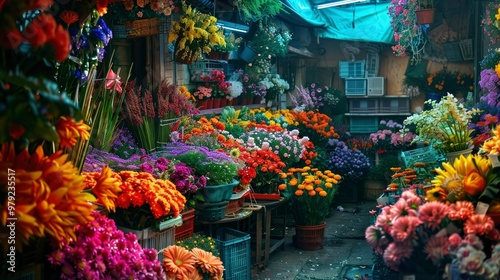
<point x="142" y="27"/>
<point x="248" y="54"/>
<point x="425" y="16"/>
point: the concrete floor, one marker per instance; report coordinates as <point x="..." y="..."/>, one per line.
<point x="346" y="255"/>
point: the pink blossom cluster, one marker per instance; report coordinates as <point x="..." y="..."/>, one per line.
<point x="470" y="258"/>
<point x="100" y="251"/>
<point x="414" y="233"/>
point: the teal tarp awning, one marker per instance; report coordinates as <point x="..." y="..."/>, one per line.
<point x="367" y="22"/>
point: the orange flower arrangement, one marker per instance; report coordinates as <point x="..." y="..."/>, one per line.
<point x="141" y="194"/>
<point x="48" y="195"/>
<point x="180" y="263"/>
<point x="311" y="192"/>
<point x="317" y="122"/>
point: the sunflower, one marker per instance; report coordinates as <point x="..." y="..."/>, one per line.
<point x="450" y="178"/>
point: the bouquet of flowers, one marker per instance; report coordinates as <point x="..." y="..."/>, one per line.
<point x="141" y="200"/>
<point x="232" y="43"/>
<point x="217" y="167"/>
<point x="286" y="144"/>
<point x="417" y="237"/>
<point x="445" y="126"/>
<point x="217" y="83"/>
<point x="97" y="253"/>
<point x="352" y="165"/>
<point x="194" y="33"/>
<point x="311" y="192"/>
<point x="391" y="136"/>
<point x="489" y="79"/>
<point x="275" y="86"/>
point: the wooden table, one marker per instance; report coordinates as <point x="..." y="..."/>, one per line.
<point x="265" y="210"/>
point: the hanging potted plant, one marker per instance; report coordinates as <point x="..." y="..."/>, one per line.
<point x="194" y="33"/>
<point x="133" y="18"/>
<point x="425" y="11"/>
<point x="254" y="10"/>
<point x="408" y="34"/>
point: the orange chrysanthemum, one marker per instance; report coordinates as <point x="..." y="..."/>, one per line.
<point x="208" y="263"/>
<point x="177" y="261"/>
<point x="105" y="185"/>
<point x="69" y="130"/>
<point x="49" y="195"/>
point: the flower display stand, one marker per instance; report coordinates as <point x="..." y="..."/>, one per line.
<point x="148" y="238"/>
<point x="187" y="228"/>
<point x="309" y="238"/>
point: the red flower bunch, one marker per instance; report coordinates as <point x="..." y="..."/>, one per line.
<point x="268" y="167"/>
<point x="246" y="175"/>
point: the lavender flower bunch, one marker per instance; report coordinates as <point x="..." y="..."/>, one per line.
<point x="352" y="165"/>
<point x="217" y="167"/>
<point x="96" y="159"/>
<point x="124" y="144"/>
<point x="100" y="251"/>
<point x="490" y="85"/>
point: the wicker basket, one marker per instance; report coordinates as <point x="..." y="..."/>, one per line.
<point x="142" y="27"/>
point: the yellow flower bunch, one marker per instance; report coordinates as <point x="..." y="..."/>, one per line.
<point x="195" y="33"/>
<point x="311" y="192"/>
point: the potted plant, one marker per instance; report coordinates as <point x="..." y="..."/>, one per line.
<point x="270" y="40"/>
<point x="311" y="192"/>
<point x="194" y="33"/>
<point x="425" y="11"/>
<point x="445" y="126"/>
<point x="137" y="201"/>
<point x="221" y="51"/>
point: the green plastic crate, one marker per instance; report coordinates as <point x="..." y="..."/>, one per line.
<point x="234" y="249"/>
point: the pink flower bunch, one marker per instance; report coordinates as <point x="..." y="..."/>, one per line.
<point x="413" y="235"/>
<point x="470" y="259"/>
<point x="217" y="82"/>
<point x="203" y="92"/>
<point x="391" y="136"/>
<point x="408" y="35"/>
<point x="100" y="251"/>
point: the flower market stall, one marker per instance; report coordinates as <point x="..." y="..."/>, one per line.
<point x="193" y="161"/>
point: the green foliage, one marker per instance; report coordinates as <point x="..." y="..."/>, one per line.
<point x="254" y="10"/>
<point x="200" y="241"/>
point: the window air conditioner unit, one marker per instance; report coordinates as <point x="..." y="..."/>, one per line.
<point x="376" y="86"/>
<point x="355" y="87"/>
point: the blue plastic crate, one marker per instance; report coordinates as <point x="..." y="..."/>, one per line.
<point x="235" y="254"/>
